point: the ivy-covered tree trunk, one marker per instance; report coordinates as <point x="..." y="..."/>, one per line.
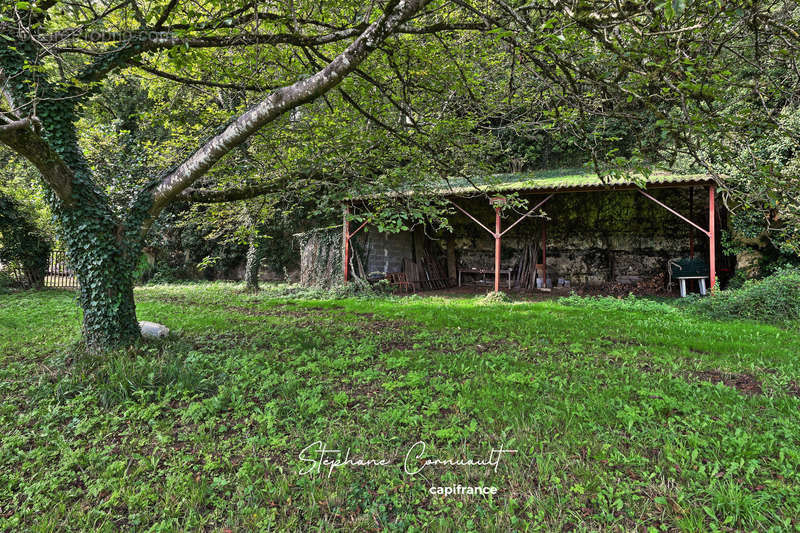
<point x="106" y="297"/>
<point x="253" y="265"/>
<point x="103" y="251"/>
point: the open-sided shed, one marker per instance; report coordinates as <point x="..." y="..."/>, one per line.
<point x="657" y="216"/>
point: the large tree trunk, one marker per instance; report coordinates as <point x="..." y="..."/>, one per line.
<point x="103" y="249"/>
<point x="109" y="312"/>
<point x="104" y="267"/>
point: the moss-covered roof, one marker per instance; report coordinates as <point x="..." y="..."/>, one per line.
<point x="560" y="180"/>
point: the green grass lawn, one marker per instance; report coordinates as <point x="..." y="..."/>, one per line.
<point x="624" y="414"/>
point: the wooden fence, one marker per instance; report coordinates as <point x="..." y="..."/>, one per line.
<point x="58" y="275"/>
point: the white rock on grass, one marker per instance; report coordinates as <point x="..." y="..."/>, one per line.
<point x="151" y="329"/>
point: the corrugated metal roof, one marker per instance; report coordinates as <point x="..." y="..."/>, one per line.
<point x="561" y="180"/>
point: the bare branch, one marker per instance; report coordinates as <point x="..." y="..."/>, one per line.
<point x="190" y="81"/>
<point x="207" y="196"/>
<point x="18" y="124"/>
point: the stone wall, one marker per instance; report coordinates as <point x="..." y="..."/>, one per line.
<point x="385" y="251"/>
<point x="591" y="237"/>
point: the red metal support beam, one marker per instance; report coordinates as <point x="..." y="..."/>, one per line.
<point x="705" y="232"/>
<point x="497" y="236"/>
<point x="712" y="241"/>
<point x="478" y="222"/>
<point x="537" y="206"/>
<point x="346" y="244"/>
<point x="359" y="229"/>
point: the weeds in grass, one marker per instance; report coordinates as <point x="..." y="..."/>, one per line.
<point x="146" y="373"/>
<point x="626" y="414"/>
<point x="774" y="299"/>
<point x="495" y="298"/>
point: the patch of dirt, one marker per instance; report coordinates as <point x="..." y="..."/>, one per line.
<point x="360" y="394"/>
<point x="495" y="345"/>
<point x="394" y="332"/>
<point x="382" y="326"/>
<point x="744" y="383"/>
<point x="396" y="344"/>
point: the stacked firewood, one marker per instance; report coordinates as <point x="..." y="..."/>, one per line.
<point x="525" y="272"/>
<point x="427" y="273"/>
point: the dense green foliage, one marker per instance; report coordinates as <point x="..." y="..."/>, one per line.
<point x="22" y="244"/>
<point x="111" y="99"/>
<point x="775" y="298"/>
<point x="103" y="250"/>
<point x="625" y="415"/>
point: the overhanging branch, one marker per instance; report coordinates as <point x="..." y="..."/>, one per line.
<point x="279" y="102"/>
<point x="26" y="142"/>
<point x="190" y="81"/>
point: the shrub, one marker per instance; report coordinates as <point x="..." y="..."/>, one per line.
<point x="495" y="298"/>
<point x="775" y="298"/>
<point x="22" y="244"/>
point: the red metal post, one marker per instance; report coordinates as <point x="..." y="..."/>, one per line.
<point x="497" y="248"/>
<point x="712" y="244"/>
<point x="346" y="244"/>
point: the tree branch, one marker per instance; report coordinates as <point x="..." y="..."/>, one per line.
<point x="165" y="14"/>
<point x="154" y="39"/>
<point x="190" y="81"/>
<point x="207" y="196"/>
<point x="18" y="124"/>
<point x="279" y="102"/>
<point x="30" y="145"/>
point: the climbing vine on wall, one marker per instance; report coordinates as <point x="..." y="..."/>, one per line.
<point x="321" y="257"/>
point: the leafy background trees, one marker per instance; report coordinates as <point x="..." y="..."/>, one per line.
<point x="154" y="113"/>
